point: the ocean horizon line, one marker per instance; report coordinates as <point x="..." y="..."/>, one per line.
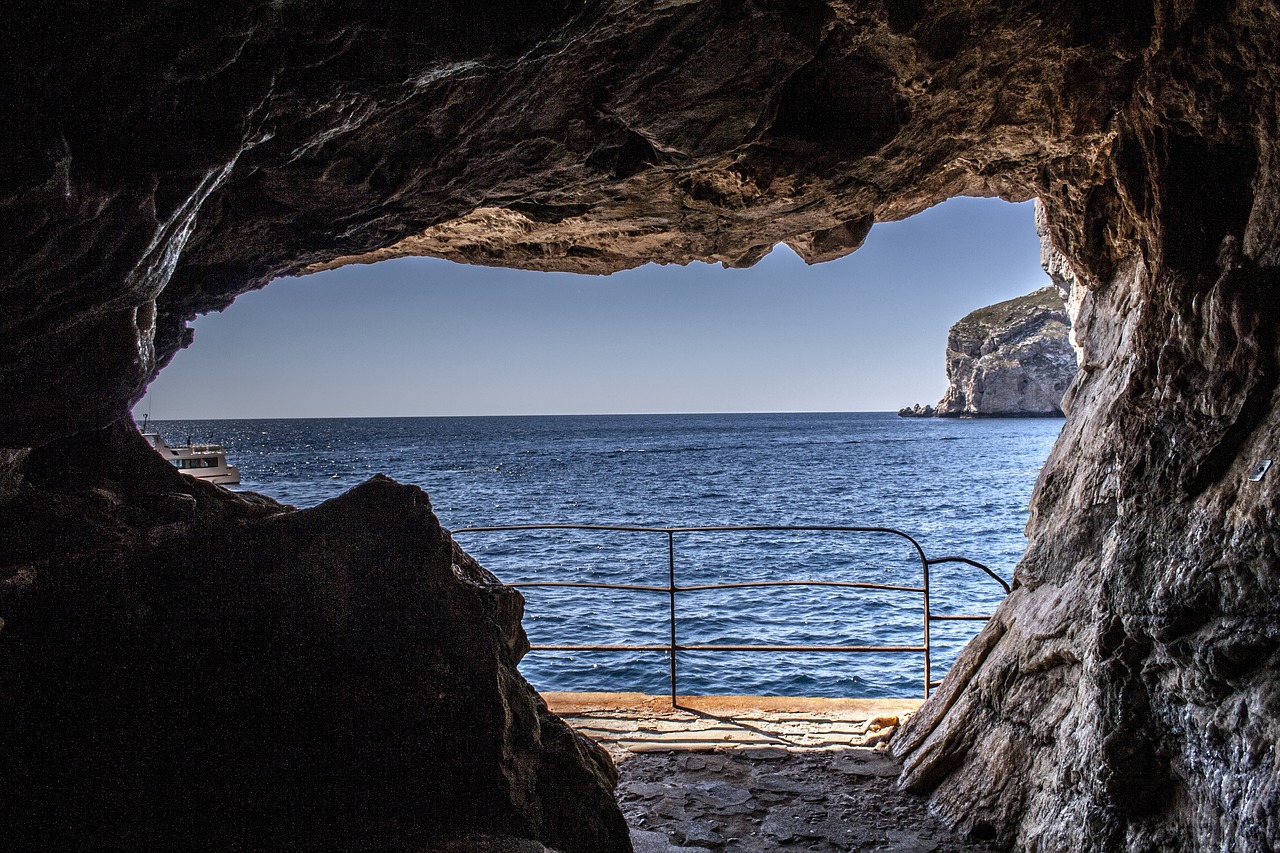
<point x="513" y="415"/>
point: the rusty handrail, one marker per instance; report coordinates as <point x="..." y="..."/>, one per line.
<point x="936" y="560"/>
<point x="673" y="647"/>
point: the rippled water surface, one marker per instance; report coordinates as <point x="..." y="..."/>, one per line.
<point x="958" y="487"/>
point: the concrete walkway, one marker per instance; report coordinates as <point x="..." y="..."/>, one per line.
<point x="753" y="774"/>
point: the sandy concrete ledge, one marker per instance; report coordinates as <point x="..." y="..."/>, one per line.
<point x="638" y="722"/>
<point x="576" y="703"/>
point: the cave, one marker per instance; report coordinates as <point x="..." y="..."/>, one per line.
<point x="165" y="161"/>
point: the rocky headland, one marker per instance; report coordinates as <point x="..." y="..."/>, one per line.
<point x="1011" y="359"/>
<point x="1014" y="359"/>
<point x="158" y="693"/>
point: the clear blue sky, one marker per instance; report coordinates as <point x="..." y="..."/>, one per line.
<point x="422" y="336"/>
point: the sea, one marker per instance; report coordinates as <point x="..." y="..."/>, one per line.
<point x="955" y="487"/>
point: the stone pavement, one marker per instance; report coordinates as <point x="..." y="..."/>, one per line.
<point x="754" y="774"/>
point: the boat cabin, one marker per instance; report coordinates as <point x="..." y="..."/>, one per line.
<point x="202" y="461"/>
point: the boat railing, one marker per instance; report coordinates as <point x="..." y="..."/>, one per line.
<point x="673" y="589"/>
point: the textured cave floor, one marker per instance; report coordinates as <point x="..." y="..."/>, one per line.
<point x="739" y="776"/>
<point x="740" y="800"/>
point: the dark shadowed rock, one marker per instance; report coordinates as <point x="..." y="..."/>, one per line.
<point x="243" y="676"/>
<point x="1012" y="359"/>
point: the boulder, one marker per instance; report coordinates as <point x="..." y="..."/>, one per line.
<point x="247" y="676"/>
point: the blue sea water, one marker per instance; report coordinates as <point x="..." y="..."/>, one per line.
<point x="960" y="487"/>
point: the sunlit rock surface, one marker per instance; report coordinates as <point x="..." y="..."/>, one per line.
<point x="1011" y="359"/>
<point x="1124" y="698"/>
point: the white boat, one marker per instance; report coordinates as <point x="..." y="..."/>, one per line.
<point x="202" y="461"/>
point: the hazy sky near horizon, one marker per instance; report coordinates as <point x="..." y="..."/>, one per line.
<point x="423" y="336"/>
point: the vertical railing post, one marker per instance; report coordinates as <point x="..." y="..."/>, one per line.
<point x="671" y="608"/>
<point x="928" y="675"/>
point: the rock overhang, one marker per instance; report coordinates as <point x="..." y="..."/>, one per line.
<point x="590" y="137"/>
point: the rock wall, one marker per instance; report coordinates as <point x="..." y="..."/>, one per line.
<point x="1061" y="273"/>
<point x="165" y="161"/>
<point x="1012" y="359"/>
<point x="1124" y="697"/>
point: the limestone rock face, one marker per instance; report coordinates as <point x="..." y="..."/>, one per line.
<point x="1061" y="273"/>
<point x="160" y="163"/>
<point x="192" y="670"/>
<point x="1012" y="359"/>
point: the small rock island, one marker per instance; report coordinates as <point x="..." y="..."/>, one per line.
<point x="1013" y="359"/>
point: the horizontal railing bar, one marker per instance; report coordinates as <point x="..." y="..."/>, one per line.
<point x="789" y="528"/>
<point x="591" y="585"/>
<point x="506" y="527"/>
<point x="665" y="647"/>
<point x="745" y="648"/>
<point x="712" y="586"/>
<point x="935" y="617"/>
<point x="714" y="528"/>
<point x="719" y="528"/>
<point x="846" y="584"/>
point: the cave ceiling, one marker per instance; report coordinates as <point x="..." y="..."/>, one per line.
<point x="170" y="159"/>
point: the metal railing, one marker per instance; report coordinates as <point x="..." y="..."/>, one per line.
<point x="671" y="590"/>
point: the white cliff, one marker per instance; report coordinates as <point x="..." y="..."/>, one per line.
<point x="1011" y="359"/>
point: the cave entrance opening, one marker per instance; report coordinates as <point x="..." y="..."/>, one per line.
<point x="484" y="387"/>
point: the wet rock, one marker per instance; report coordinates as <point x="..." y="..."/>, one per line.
<point x="720" y="795"/>
<point x="786" y="828"/>
<point x="781" y="784"/>
<point x="765" y="753"/>
<point x="701" y="762"/>
<point x="673" y="808"/>
<point x="487" y="844"/>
